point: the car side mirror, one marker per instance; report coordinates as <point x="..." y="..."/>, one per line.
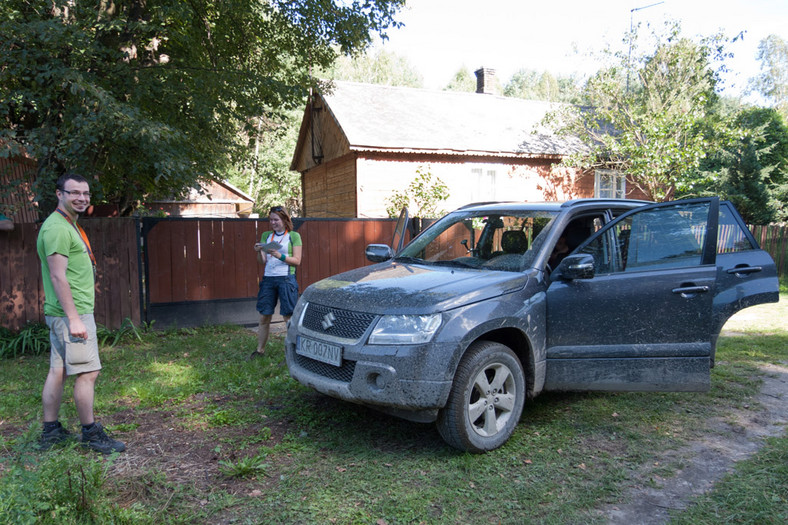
<point x="578" y="266"/>
<point x="378" y="253"/>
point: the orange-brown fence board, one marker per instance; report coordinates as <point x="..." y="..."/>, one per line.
<point x="774" y="239"/>
<point x="114" y="244"/>
<point x="21" y="292"/>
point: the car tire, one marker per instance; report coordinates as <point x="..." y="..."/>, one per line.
<point x="486" y="399"/>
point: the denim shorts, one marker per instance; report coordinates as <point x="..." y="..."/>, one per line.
<point x="284" y="289"/>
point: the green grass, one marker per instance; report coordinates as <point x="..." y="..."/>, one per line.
<point x="256" y="447"/>
<point x="756" y="493"/>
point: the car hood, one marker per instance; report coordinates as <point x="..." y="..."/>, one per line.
<point x="397" y="288"/>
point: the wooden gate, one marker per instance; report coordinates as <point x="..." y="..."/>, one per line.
<point x="205" y="271"/>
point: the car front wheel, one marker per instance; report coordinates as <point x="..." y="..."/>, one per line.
<point x="486" y="399"/>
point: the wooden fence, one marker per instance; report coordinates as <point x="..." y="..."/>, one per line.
<point x="178" y="270"/>
<point x="201" y="260"/>
<point x="201" y="271"/>
<point x="114" y="243"/>
<point x="200" y="268"/>
<point x="774" y="239"/>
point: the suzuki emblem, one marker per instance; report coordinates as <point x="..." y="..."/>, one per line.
<point x="328" y="320"/>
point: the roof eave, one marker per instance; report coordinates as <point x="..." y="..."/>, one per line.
<point x="456" y="152"/>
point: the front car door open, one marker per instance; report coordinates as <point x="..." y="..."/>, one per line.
<point x="644" y="320"/>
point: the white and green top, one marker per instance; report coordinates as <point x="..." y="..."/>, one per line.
<point x="273" y="266"/>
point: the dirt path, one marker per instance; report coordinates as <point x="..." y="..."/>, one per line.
<point x="731" y="439"/>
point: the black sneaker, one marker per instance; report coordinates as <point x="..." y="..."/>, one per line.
<point x="255" y="355"/>
<point x="53" y="437"/>
<point x="98" y="440"/>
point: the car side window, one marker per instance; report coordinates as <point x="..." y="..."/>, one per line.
<point x="663" y="237"/>
<point x="731" y="237"/>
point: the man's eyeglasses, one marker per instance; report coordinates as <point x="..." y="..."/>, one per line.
<point x="85" y="194"/>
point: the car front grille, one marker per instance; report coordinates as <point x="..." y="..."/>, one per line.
<point x="342" y="373"/>
<point x="336" y="322"/>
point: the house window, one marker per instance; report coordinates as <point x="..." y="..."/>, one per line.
<point x="610" y="184"/>
<point x="485" y="184"/>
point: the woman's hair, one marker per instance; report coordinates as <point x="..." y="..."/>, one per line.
<point x="282" y="212"/>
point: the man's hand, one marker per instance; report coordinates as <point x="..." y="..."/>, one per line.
<point x="77" y="329"/>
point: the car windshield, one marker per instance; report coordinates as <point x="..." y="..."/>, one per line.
<point x="501" y="240"/>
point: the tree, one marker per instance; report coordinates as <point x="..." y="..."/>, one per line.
<point x="151" y="98"/>
<point x="423" y="195"/>
<point x="751" y="168"/>
<point x="269" y="180"/>
<point x="660" y="128"/>
<point x="463" y="81"/>
<point x="742" y="179"/>
<point x="533" y="85"/>
<point x="382" y="67"/>
<point x="772" y="82"/>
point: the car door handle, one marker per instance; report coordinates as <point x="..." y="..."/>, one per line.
<point x="689" y="291"/>
<point x="745" y="270"/>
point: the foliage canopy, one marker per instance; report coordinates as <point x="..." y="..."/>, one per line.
<point x="772" y="82"/>
<point x="652" y="117"/>
<point x="382" y="67"/>
<point x="463" y="80"/>
<point x="534" y="85"/>
<point x="154" y="97"/>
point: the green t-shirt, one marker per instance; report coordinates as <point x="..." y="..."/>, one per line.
<point x="57" y="235"/>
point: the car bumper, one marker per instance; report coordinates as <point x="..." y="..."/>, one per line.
<point x="388" y="377"/>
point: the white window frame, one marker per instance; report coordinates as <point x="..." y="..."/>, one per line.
<point x="485" y="183"/>
<point x="610" y="184"/>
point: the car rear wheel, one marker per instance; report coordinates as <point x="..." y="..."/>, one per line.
<point x="486" y="399"/>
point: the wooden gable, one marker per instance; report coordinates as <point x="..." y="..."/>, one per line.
<point x="320" y="137"/>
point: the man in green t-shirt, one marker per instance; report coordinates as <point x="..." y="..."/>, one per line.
<point x="68" y="270"/>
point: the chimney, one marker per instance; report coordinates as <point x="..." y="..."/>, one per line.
<point x="485" y="80"/>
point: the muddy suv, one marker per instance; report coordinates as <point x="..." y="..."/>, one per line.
<point x="496" y="303"/>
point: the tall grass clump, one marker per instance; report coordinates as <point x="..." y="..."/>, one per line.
<point x="64" y="487"/>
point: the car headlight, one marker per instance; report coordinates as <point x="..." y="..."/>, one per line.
<point x="404" y="329"/>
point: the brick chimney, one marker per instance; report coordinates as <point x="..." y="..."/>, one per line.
<point x="485" y="80"/>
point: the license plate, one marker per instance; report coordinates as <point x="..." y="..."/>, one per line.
<point x="319" y="351"/>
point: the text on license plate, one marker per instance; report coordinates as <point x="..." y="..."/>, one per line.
<point x="327" y="353"/>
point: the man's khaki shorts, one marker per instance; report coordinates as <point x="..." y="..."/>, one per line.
<point x="76" y="355"/>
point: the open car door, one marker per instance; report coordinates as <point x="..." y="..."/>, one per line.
<point x="398" y="239"/>
<point x="631" y="308"/>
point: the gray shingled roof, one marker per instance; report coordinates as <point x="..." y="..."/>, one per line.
<point x="375" y="117"/>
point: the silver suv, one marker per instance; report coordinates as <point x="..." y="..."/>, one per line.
<point x="496" y="303"/>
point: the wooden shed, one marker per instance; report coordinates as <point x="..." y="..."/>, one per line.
<point x="217" y="199"/>
<point x="359" y="143"/>
<point x="17" y="175"/>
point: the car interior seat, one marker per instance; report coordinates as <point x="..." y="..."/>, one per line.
<point x="514" y="241"/>
<point x="576" y="233"/>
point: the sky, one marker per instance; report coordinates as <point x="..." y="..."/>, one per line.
<point x="441" y="36"/>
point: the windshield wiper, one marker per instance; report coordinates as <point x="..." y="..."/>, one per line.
<point x="460" y="263"/>
<point x="413" y="260"/>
